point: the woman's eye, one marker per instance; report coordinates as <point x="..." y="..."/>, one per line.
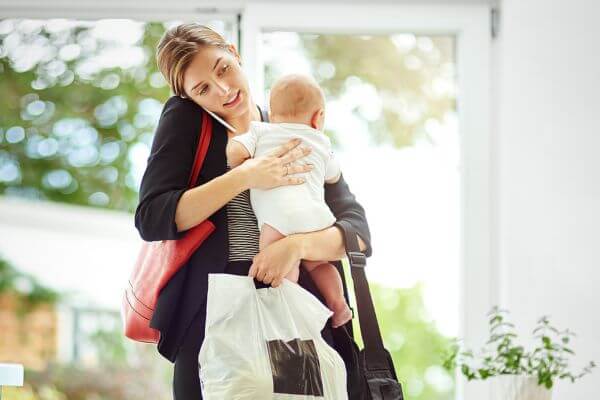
<point x="203" y="91"/>
<point x="225" y="67"/>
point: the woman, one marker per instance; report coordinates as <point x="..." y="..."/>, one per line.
<point x="204" y="71"/>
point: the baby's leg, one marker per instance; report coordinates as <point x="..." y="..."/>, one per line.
<point x="268" y="235"/>
<point x="329" y="282"/>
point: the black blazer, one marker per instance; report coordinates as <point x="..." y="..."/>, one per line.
<point x="165" y="180"/>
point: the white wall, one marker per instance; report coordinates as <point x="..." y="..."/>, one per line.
<point x="86" y="253"/>
<point x="546" y="102"/>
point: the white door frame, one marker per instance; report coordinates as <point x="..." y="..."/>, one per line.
<point x="471" y="27"/>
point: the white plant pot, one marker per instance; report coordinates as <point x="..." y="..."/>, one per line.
<point x="518" y="387"/>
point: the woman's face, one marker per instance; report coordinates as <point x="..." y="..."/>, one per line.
<point x="214" y="80"/>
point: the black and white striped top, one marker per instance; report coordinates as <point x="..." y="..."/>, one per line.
<point x="243" y="227"/>
<point x="241" y="221"/>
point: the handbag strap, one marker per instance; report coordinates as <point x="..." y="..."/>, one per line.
<point x="376" y="355"/>
<point x="202" y="148"/>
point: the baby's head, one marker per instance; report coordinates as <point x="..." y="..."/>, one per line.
<point x="299" y="99"/>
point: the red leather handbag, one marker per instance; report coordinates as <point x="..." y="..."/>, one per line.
<point x="158" y="261"/>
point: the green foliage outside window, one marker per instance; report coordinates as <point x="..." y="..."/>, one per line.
<point x="31" y="292"/>
<point x="68" y="127"/>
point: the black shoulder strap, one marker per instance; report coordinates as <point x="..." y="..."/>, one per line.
<point x="367" y="318"/>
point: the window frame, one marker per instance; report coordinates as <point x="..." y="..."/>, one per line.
<point x="470" y="25"/>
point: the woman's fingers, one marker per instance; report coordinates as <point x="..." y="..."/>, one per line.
<point x="276" y="282"/>
<point x="254" y="268"/>
<point x="276" y="169"/>
<point x="294" y="154"/>
<point x="252" y="271"/>
<point x="298" y="169"/>
<point x="281" y="150"/>
<point x="260" y="275"/>
<point x="268" y="278"/>
<point x="291" y="180"/>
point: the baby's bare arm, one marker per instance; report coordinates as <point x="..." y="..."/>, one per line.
<point x="236" y="153"/>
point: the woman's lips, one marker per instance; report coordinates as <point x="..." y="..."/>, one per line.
<point x="234" y="102"/>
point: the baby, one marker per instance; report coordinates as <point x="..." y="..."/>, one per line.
<point x="297" y="111"/>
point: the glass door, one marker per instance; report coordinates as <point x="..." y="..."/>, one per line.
<point x="408" y="114"/>
<point x="391" y="114"/>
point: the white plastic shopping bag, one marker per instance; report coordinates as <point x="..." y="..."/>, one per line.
<point x="266" y="344"/>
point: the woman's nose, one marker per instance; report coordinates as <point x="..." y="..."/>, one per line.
<point x="222" y="87"/>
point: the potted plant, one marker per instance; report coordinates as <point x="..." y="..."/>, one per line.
<point x="518" y="374"/>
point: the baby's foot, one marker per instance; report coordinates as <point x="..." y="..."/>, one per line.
<point x="341" y="313"/>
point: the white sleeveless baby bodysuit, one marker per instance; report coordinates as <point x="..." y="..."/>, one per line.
<point x="293" y="208"/>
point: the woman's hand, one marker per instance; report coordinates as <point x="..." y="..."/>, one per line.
<point x="275" y="169"/>
<point x="275" y="261"/>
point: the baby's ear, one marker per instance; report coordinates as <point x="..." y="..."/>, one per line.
<point x="315" y="118"/>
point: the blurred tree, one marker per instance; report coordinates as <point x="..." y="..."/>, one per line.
<point x="396" y="84"/>
<point x="29" y="290"/>
<point x="77" y="107"/>
<point x="412" y="75"/>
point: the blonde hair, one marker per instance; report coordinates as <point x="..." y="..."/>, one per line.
<point x="295" y="95"/>
<point x="177" y="48"/>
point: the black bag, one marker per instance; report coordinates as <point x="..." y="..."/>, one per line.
<point x="370" y="371"/>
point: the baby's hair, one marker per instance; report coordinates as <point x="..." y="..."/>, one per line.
<point x="295" y="95"/>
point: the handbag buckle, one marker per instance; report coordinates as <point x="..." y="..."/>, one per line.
<point x="357" y="259"/>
